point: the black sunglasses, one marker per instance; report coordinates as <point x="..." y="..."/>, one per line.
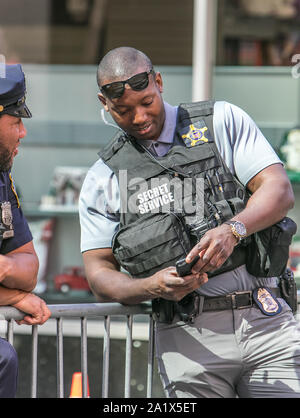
<point x="137" y="82"/>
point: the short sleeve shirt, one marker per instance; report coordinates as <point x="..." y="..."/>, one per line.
<point x="22" y="234"/>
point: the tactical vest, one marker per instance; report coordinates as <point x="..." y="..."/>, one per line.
<point x="156" y="230"/>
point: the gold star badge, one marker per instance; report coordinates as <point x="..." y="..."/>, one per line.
<point x="195" y="135"/>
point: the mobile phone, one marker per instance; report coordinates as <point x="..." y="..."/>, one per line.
<point x="183" y="268"/>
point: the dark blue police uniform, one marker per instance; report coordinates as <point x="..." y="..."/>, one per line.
<point x="22" y="234"/>
<point x="12" y="102"/>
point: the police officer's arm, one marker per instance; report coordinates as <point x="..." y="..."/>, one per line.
<point x="272" y="197"/>
<point x="19" y="268"/>
<point x="35" y="309"/>
<point x="10" y="296"/>
<point x="110" y="285"/>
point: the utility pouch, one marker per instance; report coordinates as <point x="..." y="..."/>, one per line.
<point x="151" y="244"/>
<point x="288" y="289"/>
<point x="268" y="250"/>
<point x="187" y="309"/>
<point x="163" y="310"/>
<point x="230" y="207"/>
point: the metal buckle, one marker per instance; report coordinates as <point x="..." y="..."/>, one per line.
<point x="233" y="299"/>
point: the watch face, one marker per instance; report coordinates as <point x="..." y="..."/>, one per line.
<point x="240" y="228"/>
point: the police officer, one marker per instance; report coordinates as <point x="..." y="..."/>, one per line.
<point x="243" y="339"/>
<point x="18" y="260"/>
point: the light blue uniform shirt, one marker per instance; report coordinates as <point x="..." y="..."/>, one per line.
<point x="243" y="148"/>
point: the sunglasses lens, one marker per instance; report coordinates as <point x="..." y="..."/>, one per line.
<point x="114" y="90"/>
<point x="139" y="82"/>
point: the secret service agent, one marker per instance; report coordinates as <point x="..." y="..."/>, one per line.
<point x="225" y="352"/>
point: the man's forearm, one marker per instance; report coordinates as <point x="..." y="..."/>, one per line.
<point x="118" y="287"/>
<point x="19" y="271"/>
<point x="110" y="285"/>
<point x="10" y="296"/>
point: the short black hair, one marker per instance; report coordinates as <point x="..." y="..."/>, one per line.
<point x="121" y="62"/>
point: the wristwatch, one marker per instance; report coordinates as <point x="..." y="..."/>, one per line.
<point x="238" y="229"/>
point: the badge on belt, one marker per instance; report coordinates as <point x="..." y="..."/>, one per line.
<point x="266" y="302"/>
<point x="6" y="224"/>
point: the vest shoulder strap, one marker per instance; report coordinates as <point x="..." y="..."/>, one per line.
<point x="113" y="146"/>
<point x="188" y="113"/>
<point x="196" y="109"/>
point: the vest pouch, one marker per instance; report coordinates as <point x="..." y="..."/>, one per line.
<point x="236" y="204"/>
<point x="230" y="207"/>
<point x="151" y="244"/>
<point x="224" y="209"/>
<point x="268" y="250"/>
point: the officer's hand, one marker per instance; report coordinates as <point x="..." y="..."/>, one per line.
<point x="166" y="284"/>
<point x="36" y="309"/>
<point x="214" y="249"/>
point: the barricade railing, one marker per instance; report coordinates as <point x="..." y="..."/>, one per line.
<point x="83" y="312"/>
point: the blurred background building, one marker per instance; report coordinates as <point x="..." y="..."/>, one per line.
<point x="244" y="52"/>
<point x="79" y="32"/>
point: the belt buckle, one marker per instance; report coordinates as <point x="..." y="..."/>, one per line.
<point x="233" y="299"/>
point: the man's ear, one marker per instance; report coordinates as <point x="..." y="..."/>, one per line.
<point x="159" y="82"/>
<point x="103" y="101"/>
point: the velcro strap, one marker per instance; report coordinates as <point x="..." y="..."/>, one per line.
<point x="153" y="262"/>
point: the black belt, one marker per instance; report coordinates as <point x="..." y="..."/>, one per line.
<point x="194" y="304"/>
<point x="236" y="300"/>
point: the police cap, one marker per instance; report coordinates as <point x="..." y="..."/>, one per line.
<point x="12" y="91"/>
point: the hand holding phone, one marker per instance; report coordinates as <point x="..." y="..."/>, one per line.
<point x="183" y="268"/>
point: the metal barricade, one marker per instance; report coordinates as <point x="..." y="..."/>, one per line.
<point x="85" y="312"/>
